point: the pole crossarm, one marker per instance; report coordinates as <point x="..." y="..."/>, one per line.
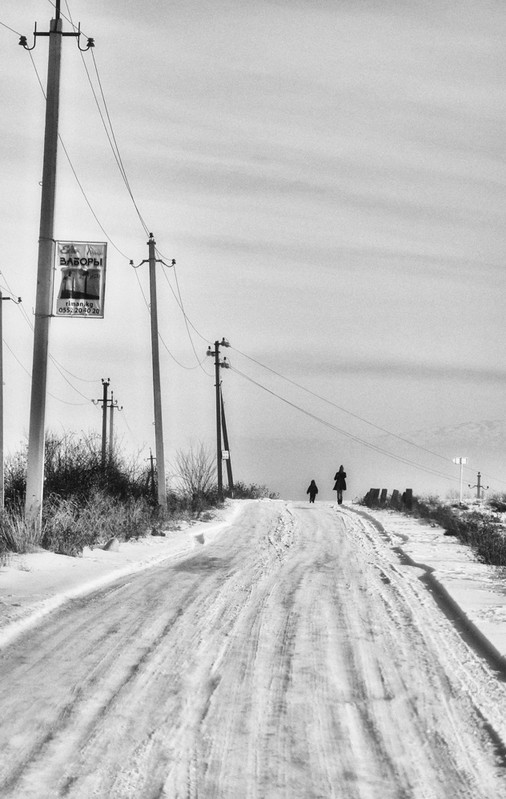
<point x="56" y="28"/>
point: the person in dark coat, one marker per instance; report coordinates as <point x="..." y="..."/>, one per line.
<point x="312" y="490"/>
<point x="340" y="484"/>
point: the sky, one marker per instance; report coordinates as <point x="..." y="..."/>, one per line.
<point x="330" y="179"/>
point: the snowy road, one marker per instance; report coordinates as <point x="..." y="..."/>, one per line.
<point x="292" y="656"/>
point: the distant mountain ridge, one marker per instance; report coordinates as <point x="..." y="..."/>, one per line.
<point x="489" y="435"/>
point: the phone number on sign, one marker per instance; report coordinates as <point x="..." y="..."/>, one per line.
<point x="79" y="311"/>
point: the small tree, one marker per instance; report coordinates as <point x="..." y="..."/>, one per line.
<point x="195" y="475"/>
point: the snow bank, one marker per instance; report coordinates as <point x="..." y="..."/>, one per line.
<point x="34" y="584"/>
<point x="475" y="591"/>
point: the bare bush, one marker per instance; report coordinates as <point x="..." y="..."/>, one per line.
<point x="196" y="475"/>
<point x="15" y="534"/>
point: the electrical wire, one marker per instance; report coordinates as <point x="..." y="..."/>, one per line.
<point x="109" y="130"/>
<point x="159" y="334"/>
<point x="360" y="418"/>
<point x="74" y="172"/>
<point x="344" y="410"/>
<point x="58" y="365"/>
<point x="108" y="126"/>
<point x="179" y="303"/>
<point x="9" y="28"/>
<point x="345" y="433"/>
<point x="116" y="151"/>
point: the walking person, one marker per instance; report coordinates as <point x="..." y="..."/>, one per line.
<point x="312" y="491"/>
<point x="340" y="484"/>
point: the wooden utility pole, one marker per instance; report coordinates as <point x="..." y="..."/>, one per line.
<point x="44" y="298"/>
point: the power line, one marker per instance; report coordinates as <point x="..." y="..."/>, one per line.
<point x="345" y="410"/>
<point x="58" y="365"/>
<point x="349" y="435"/>
<point x="358" y="440"/>
<point x="10" y="29"/>
<point x="74" y="172"/>
<point x="188" y="368"/>
<point x="108" y="127"/>
<point x="179" y="302"/>
<point x="119" y="159"/>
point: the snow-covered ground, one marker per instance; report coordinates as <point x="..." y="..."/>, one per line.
<point x="281" y="650"/>
<point x="32" y="585"/>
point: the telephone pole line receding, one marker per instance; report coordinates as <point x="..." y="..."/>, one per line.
<point x="44" y="298"/>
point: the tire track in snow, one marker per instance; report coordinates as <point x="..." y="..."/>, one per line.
<point x="291" y="658"/>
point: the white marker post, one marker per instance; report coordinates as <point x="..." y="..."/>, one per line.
<point x="460" y="461"/>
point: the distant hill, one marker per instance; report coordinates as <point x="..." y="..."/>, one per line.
<point x="460" y="439"/>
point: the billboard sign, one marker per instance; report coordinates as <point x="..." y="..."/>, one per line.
<point x="80" y="269"/>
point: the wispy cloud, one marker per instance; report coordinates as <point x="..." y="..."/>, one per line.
<point x="395" y="369"/>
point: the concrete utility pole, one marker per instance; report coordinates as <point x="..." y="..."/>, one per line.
<point x="2" y="478"/>
<point x="104" y="401"/>
<point x="461" y="462"/>
<point x="217" y="364"/>
<point x="44" y="298"/>
<point x="155" y="358"/>
<point x="111" y="404"/>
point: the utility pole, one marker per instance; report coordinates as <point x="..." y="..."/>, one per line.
<point x="44" y="298"/>
<point x="461" y="462"/>
<point x="2" y="478"/>
<point x="479" y="487"/>
<point x="155" y="358"/>
<point x="217" y="364"/>
<point x="228" y="460"/>
<point x="104" y="400"/>
<point x="113" y="405"/>
<point x="151" y="474"/>
<point x="105" y="384"/>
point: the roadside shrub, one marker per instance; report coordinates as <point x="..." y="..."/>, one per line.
<point x="497" y="503"/>
<point x="195" y="473"/>
<point x="252" y="491"/>
<point x="15" y="480"/>
<point x="4" y="553"/>
<point x="15" y="534"/>
<point x="86" y="504"/>
<point x="476" y="529"/>
<point x="69" y="525"/>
